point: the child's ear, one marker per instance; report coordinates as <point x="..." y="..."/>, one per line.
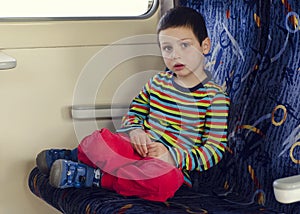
<point x="206" y="45"/>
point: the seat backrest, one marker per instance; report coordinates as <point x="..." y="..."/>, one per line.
<point x="255" y="56"/>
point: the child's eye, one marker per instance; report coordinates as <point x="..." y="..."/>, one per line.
<point x="167" y="48"/>
<point x="185" y="44"/>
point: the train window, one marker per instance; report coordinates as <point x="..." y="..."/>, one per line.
<point x="85" y="9"/>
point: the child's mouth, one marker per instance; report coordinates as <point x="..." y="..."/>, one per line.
<point x="178" y="67"/>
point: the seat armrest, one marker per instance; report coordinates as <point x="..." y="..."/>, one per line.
<point x="287" y="190"/>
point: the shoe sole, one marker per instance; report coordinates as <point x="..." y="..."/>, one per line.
<point x="42" y="163"/>
<point x="56" y="173"/>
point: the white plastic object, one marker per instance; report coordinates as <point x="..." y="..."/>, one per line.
<point x="7" y="62"/>
<point x="287" y="190"/>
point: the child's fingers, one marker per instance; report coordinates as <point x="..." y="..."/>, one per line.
<point x="152" y="150"/>
<point x="139" y="140"/>
<point x="139" y="145"/>
<point x="142" y="149"/>
<point x="143" y="145"/>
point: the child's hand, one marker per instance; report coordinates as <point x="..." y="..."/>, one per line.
<point x="158" y="150"/>
<point x="139" y="140"/>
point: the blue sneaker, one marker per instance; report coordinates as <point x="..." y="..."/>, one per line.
<point x="46" y="158"/>
<point x="66" y="173"/>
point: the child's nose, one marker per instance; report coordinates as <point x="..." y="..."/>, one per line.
<point x="175" y="54"/>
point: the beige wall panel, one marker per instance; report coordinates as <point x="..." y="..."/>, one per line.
<point x="72" y="33"/>
<point x="35" y="98"/>
<point x="34" y="115"/>
<point x="36" y="95"/>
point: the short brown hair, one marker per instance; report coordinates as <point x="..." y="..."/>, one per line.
<point x="184" y="17"/>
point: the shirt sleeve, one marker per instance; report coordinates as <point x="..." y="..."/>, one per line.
<point x="210" y="151"/>
<point x="138" y="111"/>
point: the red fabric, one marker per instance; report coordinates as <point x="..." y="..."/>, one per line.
<point x="124" y="171"/>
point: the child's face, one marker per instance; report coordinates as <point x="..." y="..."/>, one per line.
<point x="181" y="51"/>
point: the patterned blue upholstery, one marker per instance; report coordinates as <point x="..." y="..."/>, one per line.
<point x="95" y="200"/>
<point x="255" y="56"/>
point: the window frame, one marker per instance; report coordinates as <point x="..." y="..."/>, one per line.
<point x="148" y="14"/>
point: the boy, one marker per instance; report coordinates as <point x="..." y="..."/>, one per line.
<point x="176" y="124"/>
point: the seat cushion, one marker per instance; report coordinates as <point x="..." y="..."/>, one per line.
<point x="98" y="200"/>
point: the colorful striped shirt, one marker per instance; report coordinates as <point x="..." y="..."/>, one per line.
<point x="191" y="123"/>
